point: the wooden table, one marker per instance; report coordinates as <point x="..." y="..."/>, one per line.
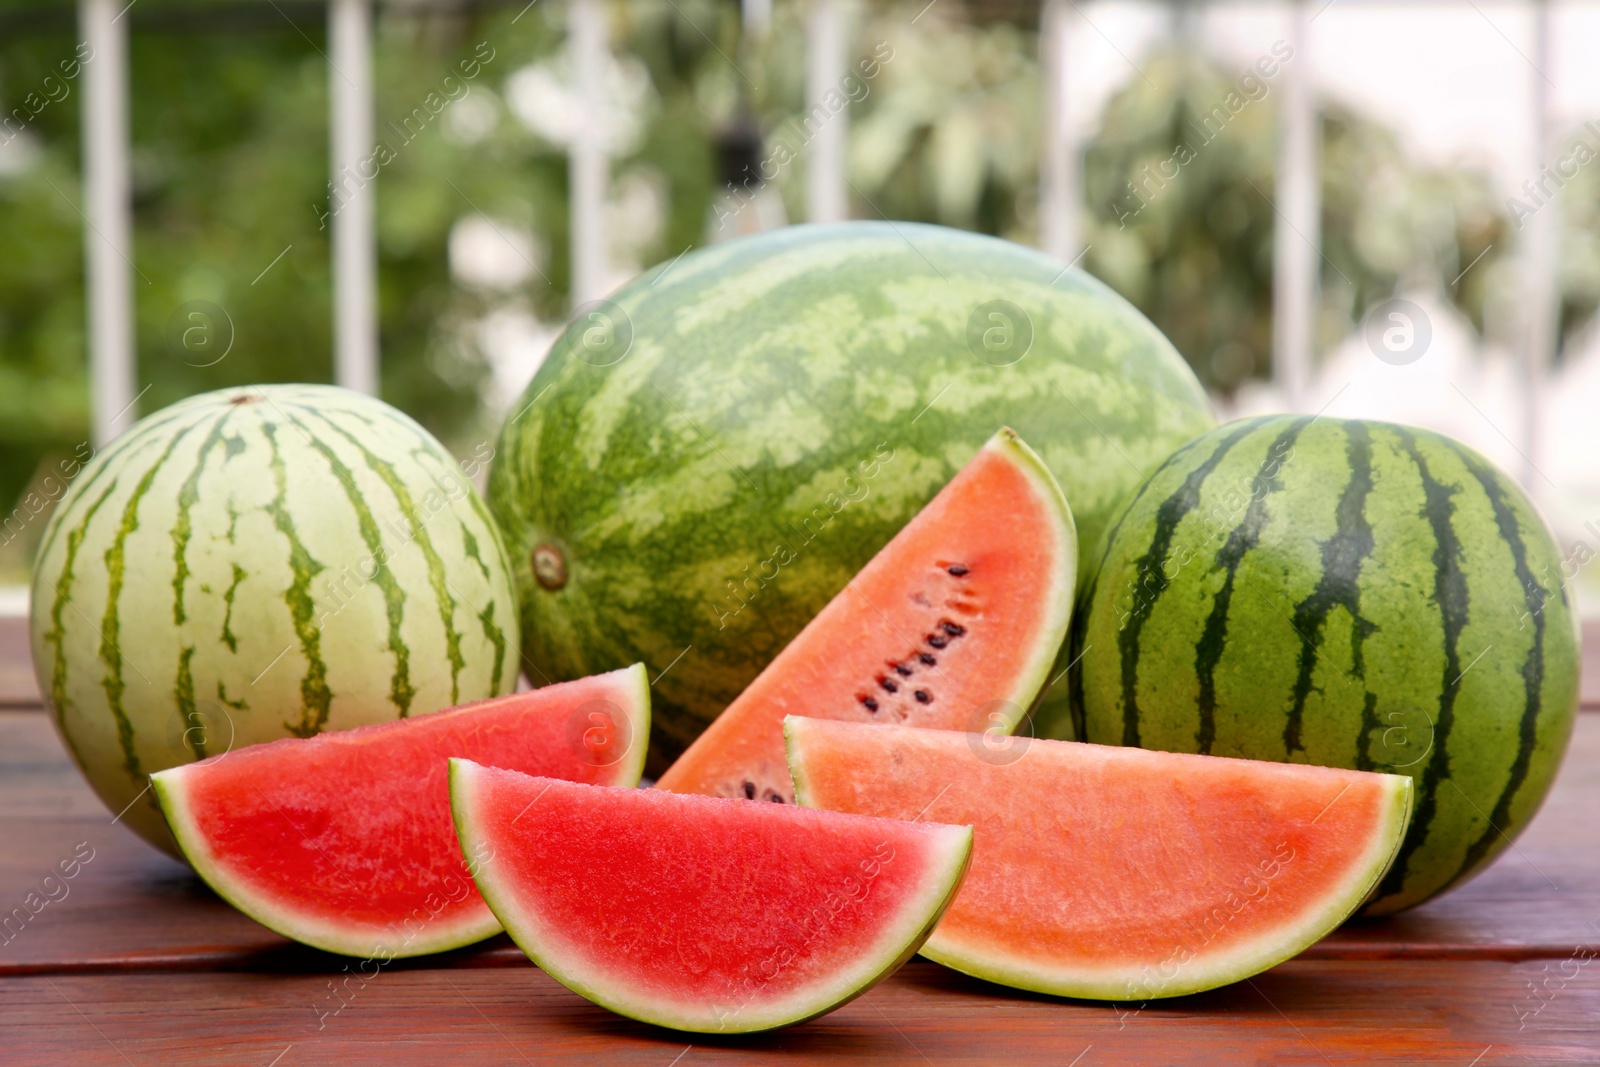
<point x="140" y="964"/>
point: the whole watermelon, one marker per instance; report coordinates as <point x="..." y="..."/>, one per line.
<point x="704" y="460"/>
<point x="1345" y="593"/>
<point x="259" y="563"/>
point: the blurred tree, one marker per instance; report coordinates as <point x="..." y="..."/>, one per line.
<point x="1183" y="220"/>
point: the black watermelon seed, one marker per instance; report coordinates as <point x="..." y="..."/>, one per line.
<point x="956" y="569"/>
<point x="953" y="629"/>
<point x="923" y="697"/>
<point x="902" y="670"/>
<point x="926" y="658"/>
<point x="938" y="640"/>
<point x="888" y="685"/>
<point x="749" y="789"/>
<point x="872" y="705"/>
<point x="776" y="799"/>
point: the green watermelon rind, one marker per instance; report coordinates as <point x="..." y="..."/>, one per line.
<point x="1235" y="966"/>
<point x="437" y="937"/>
<point x="751" y="1018"/>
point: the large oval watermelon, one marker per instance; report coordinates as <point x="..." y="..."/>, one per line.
<point x="1347" y="593"/>
<point x="705" y="460"/>
<point x="259" y="563"/>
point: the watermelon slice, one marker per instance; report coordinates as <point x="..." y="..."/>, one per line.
<point x="701" y="913"/>
<point x="344" y="842"/>
<point x="953" y="625"/>
<point x="1118" y="873"/>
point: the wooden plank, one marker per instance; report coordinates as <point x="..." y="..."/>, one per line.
<point x="132" y="908"/>
<point x="1306" y="1012"/>
<point x="17" y="686"/>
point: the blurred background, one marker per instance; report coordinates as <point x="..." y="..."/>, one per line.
<point x="203" y="193"/>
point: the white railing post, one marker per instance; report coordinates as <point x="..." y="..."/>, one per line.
<point x="588" y="169"/>
<point x="1541" y="258"/>
<point x="1061" y="184"/>
<point x="108" y="209"/>
<point x="354" y="171"/>
<point x="826" y="177"/>
<point x="1297" y="229"/>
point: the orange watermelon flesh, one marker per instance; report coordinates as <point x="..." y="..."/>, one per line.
<point x="702" y="913"/>
<point x="1118" y="873"/>
<point x="344" y="841"/>
<point x="953" y="625"/>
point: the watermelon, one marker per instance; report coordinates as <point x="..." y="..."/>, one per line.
<point x="704" y="460"/>
<point x="700" y="913"/>
<point x="1115" y="873"/>
<point x="954" y="625"/>
<point x="344" y="841"/>
<point x="262" y="562"/>
<point x="1346" y="593"/>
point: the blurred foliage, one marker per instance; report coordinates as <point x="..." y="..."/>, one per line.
<point x="1181" y="186"/>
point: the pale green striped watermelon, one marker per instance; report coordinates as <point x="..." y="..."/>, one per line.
<point x="257" y="563"/>
<point x="705" y="460"/>
<point x="1345" y="593"/>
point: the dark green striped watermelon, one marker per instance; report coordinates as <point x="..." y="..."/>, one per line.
<point x="1346" y="593"/>
<point x="259" y="563"/>
<point x="705" y="460"/>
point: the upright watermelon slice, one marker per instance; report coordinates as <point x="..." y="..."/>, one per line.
<point x="953" y="625"/>
<point x="701" y="913"/>
<point x="344" y="841"/>
<point x="1117" y="873"/>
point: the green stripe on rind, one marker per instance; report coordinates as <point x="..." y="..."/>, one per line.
<point x="56" y="635"/>
<point x="870" y="970"/>
<point x="496" y="636"/>
<point x="316" y="698"/>
<point x="436" y="573"/>
<point x="110" y="623"/>
<point x="1077" y="649"/>
<point x="1241" y="540"/>
<point x="170" y="788"/>
<point x="1339" y="586"/>
<point x="1492" y="837"/>
<point x="1450" y="596"/>
<point x="1149" y="572"/>
<point x="401" y="691"/>
<point x="183" y="527"/>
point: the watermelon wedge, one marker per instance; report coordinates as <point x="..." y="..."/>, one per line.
<point x="1117" y="873"/>
<point x="953" y="625"/>
<point x="702" y="913"/>
<point x="344" y="841"/>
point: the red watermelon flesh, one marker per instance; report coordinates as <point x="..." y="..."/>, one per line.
<point x="344" y="841"/>
<point x="1118" y="873"/>
<point x="953" y="625"/>
<point x="702" y="913"/>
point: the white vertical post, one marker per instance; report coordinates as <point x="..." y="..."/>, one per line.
<point x="587" y="167"/>
<point x="355" y="252"/>
<point x="1296" y="233"/>
<point x="1061" y="178"/>
<point x="108" y="239"/>
<point x="825" y="60"/>
<point x="1541" y="259"/>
